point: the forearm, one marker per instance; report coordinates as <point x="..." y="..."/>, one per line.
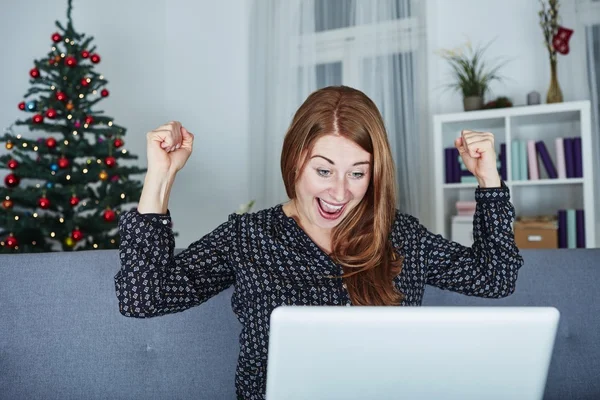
<point x="155" y="193"/>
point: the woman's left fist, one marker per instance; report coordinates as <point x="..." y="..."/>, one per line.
<point x="478" y="153"/>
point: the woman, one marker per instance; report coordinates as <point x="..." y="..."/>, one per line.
<point x="338" y="241"/>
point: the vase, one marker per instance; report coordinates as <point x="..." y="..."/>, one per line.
<point x="554" y="93"/>
<point x="472" y="103"/>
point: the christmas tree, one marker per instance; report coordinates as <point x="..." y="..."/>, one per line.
<point x="75" y="169"/>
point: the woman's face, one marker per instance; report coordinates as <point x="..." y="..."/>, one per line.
<point x="333" y="182"/>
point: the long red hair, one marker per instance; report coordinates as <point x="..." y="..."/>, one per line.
<point x="360" y="243"/>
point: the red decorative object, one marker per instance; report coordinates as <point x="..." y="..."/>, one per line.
<point x="84" y="82"/>
<point x="95" y="58"/>
<point x="11" y="180"/>
<point x="104" y="93"/>
<point x="51" y="61"/>
<point x="43" y="202"/>
<point x="38" y="118"/>
<point x="85" y="54"/>
<point x="22" y="106"/>
<point x="63" y="162"/>
<point x="109" y="215"/>
<point x="56" y="37"/>
<point x="12" y="242"/>
<point x="115" y="178"/>
<point x="34" y="72"/>
<point x="71" y="61"/>
<point x="118" y="143"/>
<point x="560" y="41"/>
<point x="110" y="161"/>
<point x="51" y="113"/>
<point x="51" y="142"/>
<point x="77" y="235"/>
<point x="89" y="120"/>
<point x="13" y="164"/>
<point x="7" y="204"/>
<point x="74" y="200"/>
<point x="61" y="96"/>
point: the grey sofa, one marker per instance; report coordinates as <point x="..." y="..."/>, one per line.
<point x="62" y="337"/>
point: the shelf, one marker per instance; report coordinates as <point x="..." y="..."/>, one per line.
<point x="541" y="182"/>
<point x="460" y="185"/>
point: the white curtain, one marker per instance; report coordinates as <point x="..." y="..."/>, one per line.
<point x="297" y="46"/>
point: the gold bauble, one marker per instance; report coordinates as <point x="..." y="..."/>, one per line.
<point x="103" y="175"/>
<point x="69" y="106"/>
<point x="9" y="145"/>
<point x="69" y="242"/>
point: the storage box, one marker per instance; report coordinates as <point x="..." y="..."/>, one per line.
<point x="462" y="229"/>
<point x="536" y="233"/>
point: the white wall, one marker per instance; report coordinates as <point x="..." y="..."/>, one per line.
<point x="184" y="60"/>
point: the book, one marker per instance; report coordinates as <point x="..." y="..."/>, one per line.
<point x="502" y="157"/>
<point x="448" y="163"/>
<point x="580" y="222"/>
<point x="561" y="168"/>
<point x="546" y="160"/>
<point x="514" y="161"/>
<point x="577" y="160"/>
<point x="534" y="173"/>
<point x="569" y="160"/>
<point x="571" y="229"/>
<point x="562" y="229"/>
<point x="523" y="160"/>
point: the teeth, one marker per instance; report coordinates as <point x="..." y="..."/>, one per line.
<point x="329" y="207"/>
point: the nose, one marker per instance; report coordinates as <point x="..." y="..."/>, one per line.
<point x="338" y="189"/>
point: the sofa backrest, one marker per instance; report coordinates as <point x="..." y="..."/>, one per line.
<point x="62" y="336"/>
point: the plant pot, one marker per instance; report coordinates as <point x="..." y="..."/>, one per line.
<point x="472" y="103"/>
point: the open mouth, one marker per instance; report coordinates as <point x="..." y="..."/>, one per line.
<point x="330" y="211"/>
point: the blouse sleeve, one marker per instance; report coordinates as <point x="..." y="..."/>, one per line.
<point x="152" y="281"/>
<point x="488" y="268"/>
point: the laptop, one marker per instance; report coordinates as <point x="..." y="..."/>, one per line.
<point x="347" y="353"/>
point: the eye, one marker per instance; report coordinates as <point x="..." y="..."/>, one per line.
<point x="357" y="175"/>
<point x="323" y="172"/>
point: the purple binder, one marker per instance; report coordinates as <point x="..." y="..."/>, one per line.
<point x="448" y="162"/>
<point x="503" y="161"/>
<point x="577" y="160"/>
<point x="546" y="160"/>
<point x="580" y="222"/>
<point x="569" y="157"/>
<point x="562" y="229"/>
<point x="455" y="164"/>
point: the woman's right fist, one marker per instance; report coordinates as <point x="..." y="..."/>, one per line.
<point x="169" y="146"/>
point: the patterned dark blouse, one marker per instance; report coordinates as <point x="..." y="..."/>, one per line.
<point x="271" y="261"/>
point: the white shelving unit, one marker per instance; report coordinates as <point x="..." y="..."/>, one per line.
<point x="530" y="197"/>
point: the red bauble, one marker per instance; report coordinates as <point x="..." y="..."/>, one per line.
<point x="71" y="61"/>
<point x="13" y="164"/>
<point x="12" y="242"/>
<point x="77" y="235"/>
<point x="89" y="120"/>
<point x="118" y="143"/>
<point x="51" y="142"/>
<point x="74" y="200"/>
<point x="51" y="61"/>
<point x="43" y="202"/>
<point x="109" y="215"/>
<point x="110" y="161"/>
<point x="104" y="93"/>
<point x="85" y="54"/>
<point x="38" y="118"/>
<point x="22" y="105"/>
<point x="84" y="82"/>
<point x="114" y="178"/>
<point x="56" y="37"/>
<point x="51" y="113"/>
<point x="11" y="180"/>
<point x="7" y="204"/>
<point x="61" y="96"/>
<point x="34" y="72"/>
<point x="95" y="58"/>
<point x="63" y="162"/>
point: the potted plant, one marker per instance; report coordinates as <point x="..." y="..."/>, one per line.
<point x="471" y="75"/>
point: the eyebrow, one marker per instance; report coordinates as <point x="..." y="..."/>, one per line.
<point x="332" y="163"/>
